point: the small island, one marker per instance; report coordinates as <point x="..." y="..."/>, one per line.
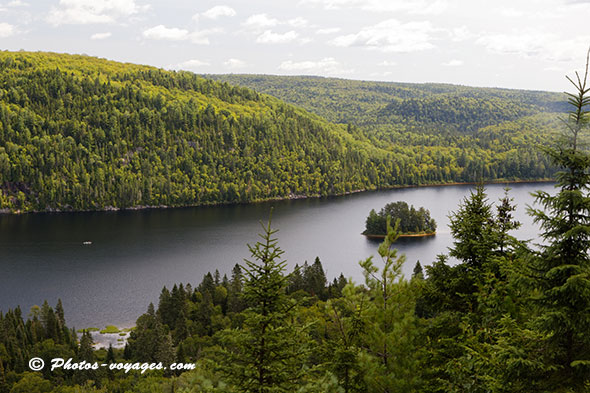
<point x="412" y="222"/>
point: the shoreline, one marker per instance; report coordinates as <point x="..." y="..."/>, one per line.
<point x="286" y="198"/>
<point x="400" y="236"/>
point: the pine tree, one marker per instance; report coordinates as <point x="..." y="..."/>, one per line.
<point x="110" y="354"/>
<point x="390" y="325"/>
<point x="85" y="352"/>
<point x="268" y="353"/>
<point x="563" y="263"/>
<point x="235" y="302"/>
<point x="59" y="312"/>
<point x="418" y="272"/>
<point x="296" y="281"/>
<point x="473" y="230"/>
<point x="505" y="222"/>
<point x="150" y="341"/>
<point x="314" y="278"/>
<point x="342" y="345"/>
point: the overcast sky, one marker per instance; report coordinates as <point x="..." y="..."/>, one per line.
<point x="528" y="44"/>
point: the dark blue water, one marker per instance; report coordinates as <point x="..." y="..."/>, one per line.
<point x="134" y="253"/>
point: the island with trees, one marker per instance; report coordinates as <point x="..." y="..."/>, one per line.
<point x="412" y="222"/>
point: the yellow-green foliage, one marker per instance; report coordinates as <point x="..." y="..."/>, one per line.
<point x="81" y="133"/>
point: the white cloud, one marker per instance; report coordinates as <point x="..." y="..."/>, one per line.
<point x="162" y="32"/>
<point x="531" y="43"/>
<point x="268" y="37"/>
<point x="326" y="66"/>
<point x="190" y="65"/>
<point x="387" y="63"/>
<point x="92" y="11"/>
<point x="561" y="70"/>
<point x="331" y="30"/>
<point x="100" y="36"/>
<point x="510" y="12"/>
<point x="459" y="34"/>
<point x="391" y="36"/>
<point x="218" y="11"/>
<point x="297" y="22"/>
<point x="260" y="21"/>
<point x="234" y="63"/>
<point x="453" y="63"/>
<point x="17" y="3"/>
<point x="201" y="37"/>
<point x="409" y="6"/>
<point x="7" y="30"/>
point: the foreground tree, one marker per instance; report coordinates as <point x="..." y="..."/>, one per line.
<point x="389" y="358"/>
<point x="267" y="354"/>
<point x="563" y="263"/>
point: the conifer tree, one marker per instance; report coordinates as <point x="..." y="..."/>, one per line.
<point x="235" y="302"/>
<point x="342" y="346"/>
<point x="110" y="354"/>
<point x="563" y="263"/>
<point x="296" y="282"/>
<point x="314" y="278"/>
<point x="390" y="324"/>
<point x="473" y="230"/>
<point x="59" y="312"/>
<point x="418" y="272"/>
<point x="505" y="222"/>
<point x="268" y="353"/>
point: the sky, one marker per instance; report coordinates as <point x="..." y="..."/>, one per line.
<point x="524" y="44"/>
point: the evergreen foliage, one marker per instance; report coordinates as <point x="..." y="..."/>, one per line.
<point x="563" y="263"/>
<point x="411" y="221"/>
<point x="267" y="354"/>
<point x="389" y="358"/>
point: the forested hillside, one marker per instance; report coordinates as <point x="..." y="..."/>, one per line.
<point x="476" y="126"/>
<point x="81" y="133"/>
<point x="440" y="106"/>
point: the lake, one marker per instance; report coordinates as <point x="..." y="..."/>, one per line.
<point x="135" y="253"/>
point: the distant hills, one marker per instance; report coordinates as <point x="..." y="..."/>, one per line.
<point x="363" y="103"/>
<point x="82" y="133"/>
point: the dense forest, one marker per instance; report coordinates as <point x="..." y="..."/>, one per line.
<point x="503" y="316"/>
<point x="407" y="219"/>
<point x="81" y="133"/>
<point x="442" y="123"/>
<point x="403" y="106"/>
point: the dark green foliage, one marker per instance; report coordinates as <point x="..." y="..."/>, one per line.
<point x="505" y="222"/>
<point x="389" y="359"/>
<point x="39" y="336"/>
<point x="474" y="230"/>
<point x="344" y="326"/>
<point x="235" y="303"/>
<point x="268" y="353"/>
<point x="562" y="266"/>
<point x="411" y="221"/>
<point x="150" y="341"/>
<point x="418" y="272"/>
<point x="314" y="279"/>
